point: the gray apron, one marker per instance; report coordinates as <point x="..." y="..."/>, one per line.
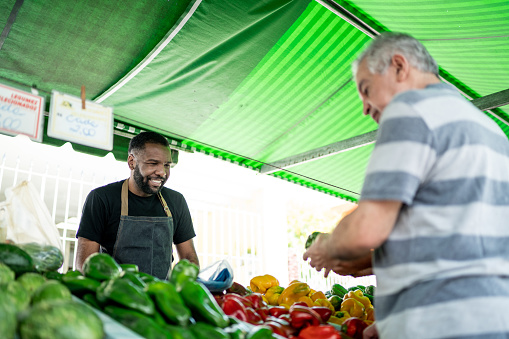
<point x="145" y="241"/>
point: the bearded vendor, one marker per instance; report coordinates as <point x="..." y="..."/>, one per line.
<point x="138" y="220"/>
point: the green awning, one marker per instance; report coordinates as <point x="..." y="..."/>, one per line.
<point x="251" y="82"/>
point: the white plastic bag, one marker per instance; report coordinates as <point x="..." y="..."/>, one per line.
<point x="217" y="277"/>
<point x="28" y="219"/>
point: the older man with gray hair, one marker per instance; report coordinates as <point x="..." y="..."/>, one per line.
<point x="434" y="205"/>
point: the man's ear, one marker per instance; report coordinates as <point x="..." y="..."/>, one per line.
<point x="131" y="162"/>
<point x="402" y="67"/>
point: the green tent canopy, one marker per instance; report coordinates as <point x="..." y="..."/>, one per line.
<point x="263" y="84"/>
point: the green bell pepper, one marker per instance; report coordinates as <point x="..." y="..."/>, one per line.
<point x="134" y="278"/>
<point x="147" y="278"/>
<point x="260" y="332"/>
<point x="130" y="268"/>
<point x="207" y="331"/>
<point x="339" y="290"/>
<point x="139" y="323"/>
<point x="311" y="239"/>
<point x="370" y="289"/>
<point x="91" y="299"/>
<point x="169" y="302"/>
<point x="183" y="272"/>
<point x="336" y="301"/>
<point x="127" y="294"/>
<point x="179" y="332"/>
<point x="101" y="266"/>
<point x="202" y="304"/>
<point x="80" y="285"/>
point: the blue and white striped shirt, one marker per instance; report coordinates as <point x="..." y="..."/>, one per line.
<point x="448" y="253"/>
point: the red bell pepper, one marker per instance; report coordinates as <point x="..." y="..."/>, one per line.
<point x="256" y="299"/>
<point x="301" y="303"/>
<point x="324" y="312"/>
<point x="235" y="308"/>
<point x="240" y="298"/>
<point x="253" y="317"/>
<point x="282" y="324"/>
<point x="353" y="327"/>
<point x="320" y="331"/>
<point x="277" y="311"/>
<point x="263" y="312"/>
<point x="277" y="328"/>
<point x="303" y="316"/>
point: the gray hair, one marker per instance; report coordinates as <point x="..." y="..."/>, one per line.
<point x="379" y="53"/>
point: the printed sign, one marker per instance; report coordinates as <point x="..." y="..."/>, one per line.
<point x="92" y="126"/>
<point x="21" y="113"/>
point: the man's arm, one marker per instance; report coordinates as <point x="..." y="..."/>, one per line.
<point x="85" y="249"/>
<point x="186" y="250"/>
<point x="353" y="238"/>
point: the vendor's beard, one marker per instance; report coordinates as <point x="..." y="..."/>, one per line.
<point x="142" y="182"/>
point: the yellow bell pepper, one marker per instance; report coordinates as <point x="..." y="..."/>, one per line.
<point x="354" y="307"/>
<point x="311" y="292"/>
<point x="368" y="322"/>
<point x="317" y="295"/>
<point x="340" y="317"/>
<point x="272" y="294"/>
<point x="261" y="283"/>
<point x="359" y="296"/>
<point x="293" y="292"/>
<point x="307" y="300"/>
<point x="335" y="320"/>
<point x="370" y="313"/>
<point x="324" y="303"/>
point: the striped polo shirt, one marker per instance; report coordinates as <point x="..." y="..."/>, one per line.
<point x="444" y="270"/>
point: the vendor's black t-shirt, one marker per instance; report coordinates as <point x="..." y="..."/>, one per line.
<point x="101" y="214"/>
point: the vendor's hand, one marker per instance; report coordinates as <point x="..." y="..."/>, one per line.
<point x="370" y="332"/>
<point x="319" y="254"/>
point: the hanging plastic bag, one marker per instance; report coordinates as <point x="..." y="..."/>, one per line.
<point x="27" y="219"/>
<point x="217" y="277"/>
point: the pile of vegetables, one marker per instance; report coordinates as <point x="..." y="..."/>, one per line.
<point x="178" y="308"/>
<point x="266" y="302"/>
<point x="32" y="305"/>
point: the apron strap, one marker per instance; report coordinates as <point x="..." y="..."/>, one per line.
<point x="125" y="199"/>
<point x="165" y="206"/>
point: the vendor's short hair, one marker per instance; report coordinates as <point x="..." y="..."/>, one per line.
<point x="138" y="142"/>
<point x="379" y="53"/>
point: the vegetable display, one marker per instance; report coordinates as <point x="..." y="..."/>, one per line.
<point x="181" y="307"/>
<point x="33" y="306"/>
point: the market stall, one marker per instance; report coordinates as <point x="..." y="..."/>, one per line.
<point x="112" y="301"/>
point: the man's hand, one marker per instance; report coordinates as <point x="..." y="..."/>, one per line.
<point x="321" y="258"/>
<point x="319" y="254"/>
<point x="356" y="268"/>
<point x="85" y="249"/>
<point x="187" y="251"/>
